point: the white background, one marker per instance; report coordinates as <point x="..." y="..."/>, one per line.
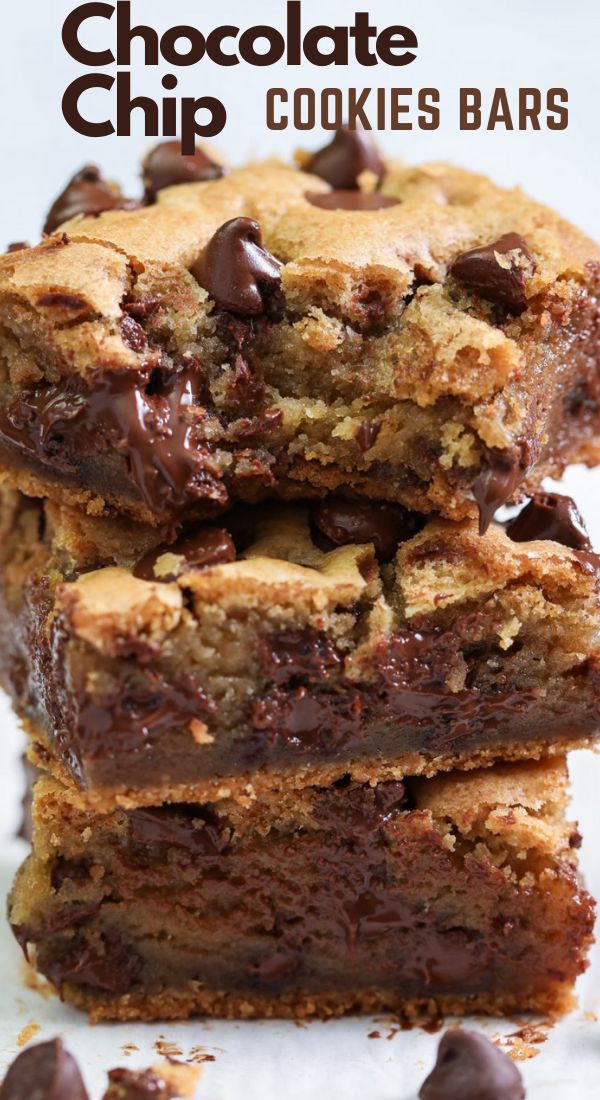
<point x="478" y="43"/>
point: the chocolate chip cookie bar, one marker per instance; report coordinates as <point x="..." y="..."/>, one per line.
<point x="417" y="335"/>
<point x="294" y="644"/>
<point x="457" y="893"/>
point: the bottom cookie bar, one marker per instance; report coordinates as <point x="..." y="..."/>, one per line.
<point x="454" y="894"/>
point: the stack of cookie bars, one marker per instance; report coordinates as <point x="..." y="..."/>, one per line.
<point x="299" y="693"/>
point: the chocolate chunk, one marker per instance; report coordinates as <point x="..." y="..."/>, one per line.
<point x="45" y="1071"/>
<point x="166" y="166"/>
<point x="341" y="162"/>
<point x="103" y="961"/>
<point x="87" y="193"/>
<point x="18" y="246"/>
<point x="496" y="484"/>
<point x="470" y="1067"/>
<point x="179" y="826"/>
<point x="550" y="516"/>
<point x="350" y="200"/>
<point x="366" y="434"/>
<point x="236" y="270"/>
<point x="126" y="1084"/>
<point x="209" y="546"/>
<point x="356" y="522"/>
<point x="497" y="272"/>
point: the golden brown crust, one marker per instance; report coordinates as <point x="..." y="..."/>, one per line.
<point x="184" y="1004"/>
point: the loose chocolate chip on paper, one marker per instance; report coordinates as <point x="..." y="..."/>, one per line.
<point x="357" y="201"/>
<point x="470" y="1067"/>
<point x="497" y="272"/>
<point x="45" y="1071"/>
<point x="86" y="193"/>
<point x="166" y="166"/>
<point x="342" y="161"/>
<point x="237" y="270"/>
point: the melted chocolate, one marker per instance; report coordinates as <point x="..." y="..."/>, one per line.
<point x="166" y="166"/>
<point x="45" y="1071"/>
<point x="207" y="547"/>
<point x="87" y="193"/>
<point x="470" y="1067"/>
<point x="298" y="654"/>
<point x="186" y="826"/>
<point x="360" y="201"/>
<point x="550" y="516"/>
<point x="355" y="522"/>
<point x="137" y="713"/>
<point x="497" y="484"/>
<point x="274" y="969"/>
<point x="150" y="420"/>
<point x="358" y="812"/>
<point x="497" y="272"/>
<point x="342" y="161"/>
<point x="236" y="270"/>
<point x="103" y="960"/>
<point x="312" y="708"/>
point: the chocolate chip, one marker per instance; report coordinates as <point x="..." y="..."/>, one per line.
<point x="342" y="161"/>
<point x="236" y="270"/>
<point x="210" y="546"/>
<point x="366" y="434"/>
<point x="550" y="516"/>
<point x="142" y="308"/>
<point x="133" y="334"/>
<point x="56" y="299"/>
<point x="470" y="1067"/>
<point x="18" y="246"/>
<point x="497" y="272"/>
<point x="126" y="1084"/>
<point x="87" y="193"/>
<point x="45" y="1071"/>
<point x="166" y="166"/>
<point x="350" y="200"/>
<point x="356" y="522"/>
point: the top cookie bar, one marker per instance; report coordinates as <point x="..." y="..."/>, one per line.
<point x="413" y="334"/>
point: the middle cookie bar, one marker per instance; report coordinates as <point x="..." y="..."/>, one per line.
<point x="294" y="645"/>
